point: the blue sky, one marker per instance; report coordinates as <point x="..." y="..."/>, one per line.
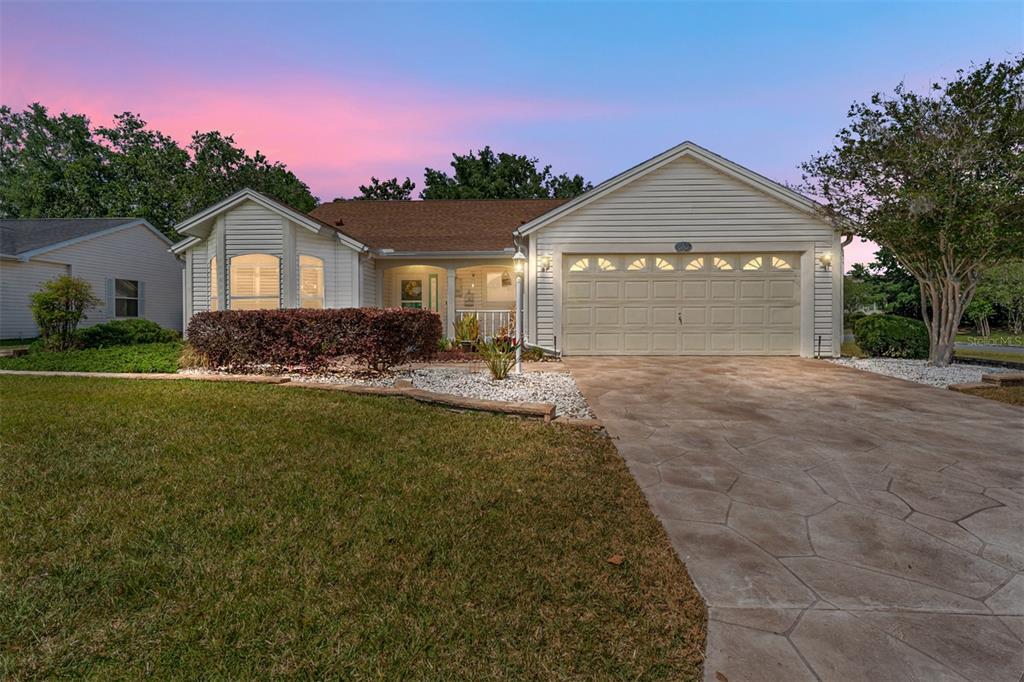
<point x="339" y="91"/>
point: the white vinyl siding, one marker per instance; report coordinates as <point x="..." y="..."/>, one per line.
<point x="136" y="254"/>
<point x="368" y="289"/>
<point x="251" y="228"/>
<point x="686" y="200"/>
<point x="18" y="281"/>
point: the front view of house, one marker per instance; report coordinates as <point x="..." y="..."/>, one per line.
<point x="686" y="253"/>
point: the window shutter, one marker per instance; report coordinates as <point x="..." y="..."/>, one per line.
<point x="142" y="299"/>
<point x="110" y="298"/>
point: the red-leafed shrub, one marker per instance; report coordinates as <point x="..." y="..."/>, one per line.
<point x="379" y="337"/>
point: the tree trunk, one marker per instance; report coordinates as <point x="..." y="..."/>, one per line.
<point x="942" y="305"/>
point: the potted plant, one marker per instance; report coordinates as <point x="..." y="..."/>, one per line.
<point x="467" y="331"/>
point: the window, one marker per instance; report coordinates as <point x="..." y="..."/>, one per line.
<point x="638" y="264"/>
<point x="126" y="298"/>
<point x="753" y="263"/>
<point x="696" y="263"/>
<point x="605" y="265"/>
<point x="780" y="263"/>
<point x="663" y="264"/>
<point x="213" y="283"/>
<point x="722" y="263"/>
<point x="255" y="282"/>
<point x="579" y="266"/>
<point x="311" y="282"/>
<point x="412" y="293"/>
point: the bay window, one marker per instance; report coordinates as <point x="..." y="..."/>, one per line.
<point x="311" y="282"/>
<point x="255" y="282"/>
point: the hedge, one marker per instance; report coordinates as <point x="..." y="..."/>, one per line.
<point x="379" y="337"/>
<point x="124" y="333"/>
<point x="890" y="336"/>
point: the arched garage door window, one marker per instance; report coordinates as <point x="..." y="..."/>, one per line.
<point x="255" y="282"/>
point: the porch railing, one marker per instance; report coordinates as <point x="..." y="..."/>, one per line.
<point x="490" y="320"/>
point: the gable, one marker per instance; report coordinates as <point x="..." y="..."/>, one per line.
<point x="137" y="240"/>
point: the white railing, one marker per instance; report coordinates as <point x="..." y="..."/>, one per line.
<point x="491" y="321"/>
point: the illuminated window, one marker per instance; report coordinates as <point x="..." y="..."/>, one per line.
<point x="722" y="264"/>
<point x="605" y="265"/>
<point x="255" y="282"/>
<point x="638" y="264"/>
<point x="213" y="283"/>
<point x="780" y="263"/>
<point x="663" y="264"/>
<point x="311" y="282"/>
<point x="579" y="266"/>
<point x="695" y="263"/>
<point x="753" y="263"/>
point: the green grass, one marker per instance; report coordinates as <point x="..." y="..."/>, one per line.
<point x="150" y="357"/>
<point x="850" y="349"/>
<point x="990" y="355"/>
<point x="1014" y="395"/>
<point x="4" y="343"/>
<point x="208" y="530"/>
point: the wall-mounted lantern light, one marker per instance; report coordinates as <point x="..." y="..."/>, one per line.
<point x="826" y="260"/>
<point x="545" y="263"/>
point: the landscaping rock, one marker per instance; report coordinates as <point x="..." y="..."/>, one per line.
<point x="919" y="371"/>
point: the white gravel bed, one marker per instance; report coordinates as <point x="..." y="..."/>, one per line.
<point x="558" y="388"/>
<point x="920" y="372"/>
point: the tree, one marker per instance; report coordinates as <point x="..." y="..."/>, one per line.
<point x="388" y="190"/>
<point x="936" y="178"/>
<point x="62" y="167"/>
<point x="58" y="308"/>
<point x="1003" y="285"/>
<point x="486" y="175"/>
<point x="894" y="289"/>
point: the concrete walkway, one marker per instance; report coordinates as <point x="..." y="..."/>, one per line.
<point x="840" y="525"/>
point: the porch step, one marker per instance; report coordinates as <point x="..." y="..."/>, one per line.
<point x="1004" y="379"/>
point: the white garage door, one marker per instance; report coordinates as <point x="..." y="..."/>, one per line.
<point x="669" y="304"/>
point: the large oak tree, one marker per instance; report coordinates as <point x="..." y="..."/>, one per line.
<point x="936" y="178"/>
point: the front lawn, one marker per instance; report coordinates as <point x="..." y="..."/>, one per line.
<point x="149" y="357"/>
<point x="190" y="529"/>
<point x="1014" y="395"/>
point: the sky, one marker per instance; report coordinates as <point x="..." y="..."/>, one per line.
<point x="342" y="91"/>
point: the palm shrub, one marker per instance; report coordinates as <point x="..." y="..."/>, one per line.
<point x="467" y="329"/>
<point x="59" y="307"/>
<point x="891" y="336"/>
<point x="499" y="355"/>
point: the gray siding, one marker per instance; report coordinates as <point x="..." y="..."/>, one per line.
<point x="368" y="292"/>
<point x="18" y="281"/>
<point x="134" y="253"/>
<point x="253" y="228"/>
<point x="689" y="200"/>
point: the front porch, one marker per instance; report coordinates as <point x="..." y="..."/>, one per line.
<point x="453" y="289"/>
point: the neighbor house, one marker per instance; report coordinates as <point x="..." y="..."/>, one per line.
<point x="126" y="260"/>
<point x="686" y="253"/>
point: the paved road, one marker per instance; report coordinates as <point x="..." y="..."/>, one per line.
<point x="840" y="525"/>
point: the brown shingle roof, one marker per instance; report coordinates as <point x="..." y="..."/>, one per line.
<point x="433" y="225"/>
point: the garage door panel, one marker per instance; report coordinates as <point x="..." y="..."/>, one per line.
<point x="709" y="310"/>
<point x="606" y="316"/>
<point x="636" y="316"/>
<point x="636" y="290"/>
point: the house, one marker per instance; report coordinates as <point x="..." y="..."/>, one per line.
<point x="686" y="253"/>
<point x="126" y="260"/>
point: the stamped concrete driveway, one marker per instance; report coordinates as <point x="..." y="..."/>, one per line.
<point x="840" y="525"/>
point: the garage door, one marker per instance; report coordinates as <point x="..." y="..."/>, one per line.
<point x="670" y="304"/>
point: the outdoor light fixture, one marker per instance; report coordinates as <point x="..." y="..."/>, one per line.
<point x="545" y="263"/>
<point x="519" y="261"/>
<point x="826" y="260"/>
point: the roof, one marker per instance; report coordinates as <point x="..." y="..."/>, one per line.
<point x="310" y="222"/>
<point x="434" y="225"/>
<point x="685" y="149"/>
<point x="30" y="236"/>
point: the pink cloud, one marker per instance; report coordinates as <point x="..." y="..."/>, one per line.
<point x="334" y="134"/>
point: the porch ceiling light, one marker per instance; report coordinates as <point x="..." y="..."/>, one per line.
<point x="519" y="262"/>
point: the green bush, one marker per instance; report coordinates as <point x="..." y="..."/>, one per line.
<point x="124" y="333"/>
<point x="890" y="336"/>
<point x="59" y="306"/>
<point x="499" y="355"/>
<point x="151" y="357"/>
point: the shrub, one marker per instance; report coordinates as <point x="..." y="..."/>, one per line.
<point x="499" y="355"/>
<point x="379" y="337"/>
<point x="124" y="333"/>
<point x="532" y="354"/>
<point x="467" y="329"/>
<point x="890" y="336"/>
<point x="58" y="308"/>
<point x="149" y="357"/>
